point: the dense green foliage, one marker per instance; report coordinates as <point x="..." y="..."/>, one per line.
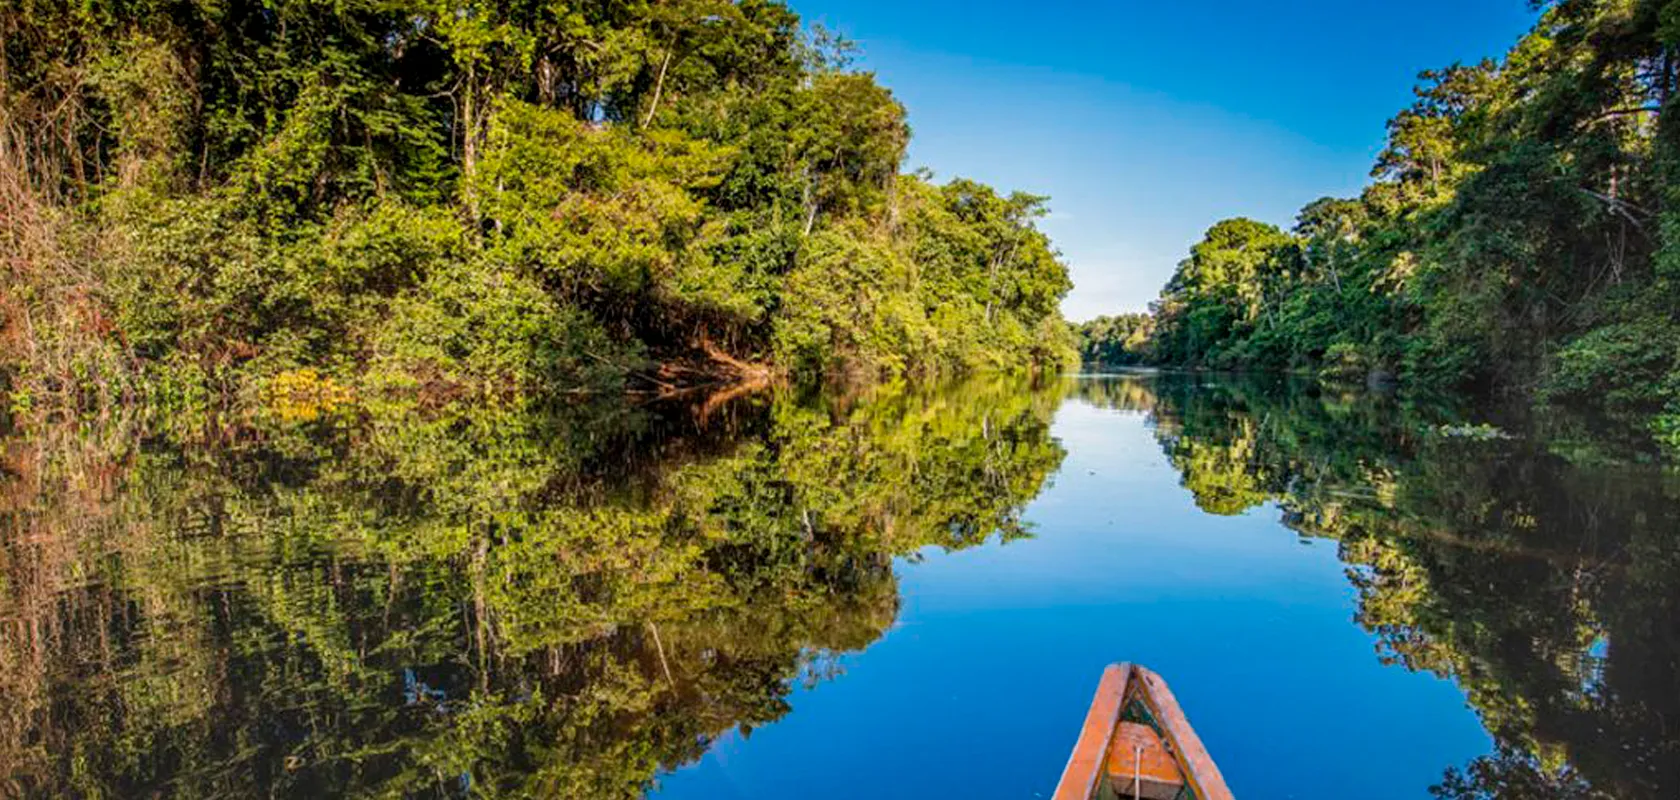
<point x="1117" y="341"/>
<point x="1523" y="233"/>
<point x="484" y="602"/>
<point x="568" y="602"/>
<point x="1538" y="571"/>
<point x="198" y="197"/>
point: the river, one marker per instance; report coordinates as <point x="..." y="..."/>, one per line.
<point x="903" y="591"/>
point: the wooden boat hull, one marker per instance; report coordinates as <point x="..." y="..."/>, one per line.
<point x="1137" y="743"/>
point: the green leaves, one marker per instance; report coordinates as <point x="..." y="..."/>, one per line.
<point x="562" y="601"/>
<point x="476" y="328"/>
<point x="1231" y="286"/>
<point x="418" y="193"/>
<point x="1620" y="367"/>
<point x="1520" y="234"/>
<point x="1116" y="341"/>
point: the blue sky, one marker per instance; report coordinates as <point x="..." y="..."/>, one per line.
<point x="1146" y="122"/>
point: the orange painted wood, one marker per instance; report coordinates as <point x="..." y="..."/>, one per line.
<point x="1106" y="747"/>
<point x="1193" y="757"/>
<point x="1084" y="770"/>
<point x="1137" y="752"/>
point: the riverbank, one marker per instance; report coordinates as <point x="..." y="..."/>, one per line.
<point x="397" y="213"/>
<point x="1520" y="236"/>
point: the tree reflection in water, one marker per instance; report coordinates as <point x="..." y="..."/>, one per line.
<point x="1540" y="572"/>
<point x="570" y="601"/>
<point x="561" y="602"/>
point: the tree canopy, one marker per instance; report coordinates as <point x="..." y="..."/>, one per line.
<point x="470" y="197"/>
<point x="1521" y="234"/>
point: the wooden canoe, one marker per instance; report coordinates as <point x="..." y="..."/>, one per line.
<point x="1136" y="743"/>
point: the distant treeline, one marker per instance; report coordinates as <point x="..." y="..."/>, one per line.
<point x="1522" y="234"/>
<point x="199" y="199"/>
<point x="1118" y="341"/>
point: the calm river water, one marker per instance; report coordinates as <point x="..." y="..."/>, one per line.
<point x="901" y="592"/>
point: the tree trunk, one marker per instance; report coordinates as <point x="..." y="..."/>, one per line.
<point x="658" y="87"/>
<point x="469" y="126"/>
<point x="809" y="200"/>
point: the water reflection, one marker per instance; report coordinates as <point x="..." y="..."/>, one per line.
<point x="572" y="601"/>
<point x="505" y="603"/>
<point x="1540" y="572"/>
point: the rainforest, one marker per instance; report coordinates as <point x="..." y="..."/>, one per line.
<point x="214" y="205"/>
<point x="1521" y="236"/>
<point x="598" y="399"/>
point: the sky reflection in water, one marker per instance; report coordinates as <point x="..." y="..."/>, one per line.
<point x="901" y="592"/>
<point x="983" y="682"/>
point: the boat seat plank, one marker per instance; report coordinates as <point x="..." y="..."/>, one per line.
<point x="1150" y="755"/>
<point x="1137" y="752"/>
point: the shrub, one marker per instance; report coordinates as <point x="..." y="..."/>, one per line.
<point x="1344" y="361"/>
<point x="1620" y="367"/>
<point x="483" y="329"/>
